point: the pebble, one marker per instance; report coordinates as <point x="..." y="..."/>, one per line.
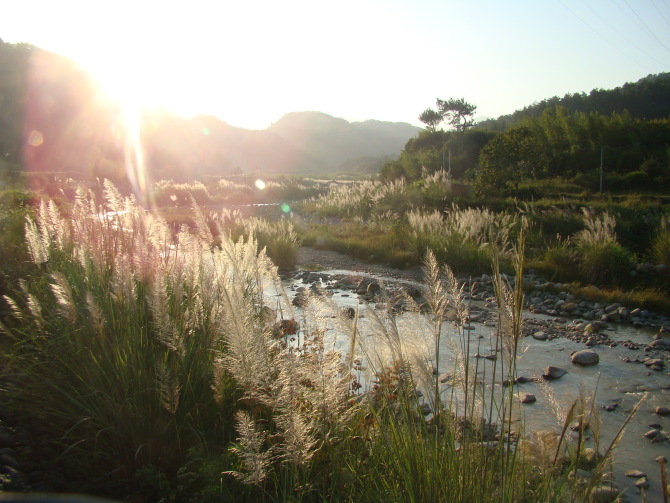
<point x="642" y="483"/>
<point x="529" y="398"/>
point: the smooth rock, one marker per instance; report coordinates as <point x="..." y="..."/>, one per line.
<point x="540" y="336"/>
<point x="554" y="373"/>
<point x="585" y="357"/>
<point x="529" y="398"/>
<point x="642" y="483"/>
<point x="663" y="344"/>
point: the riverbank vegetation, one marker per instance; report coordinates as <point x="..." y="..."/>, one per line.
<point x="151" y="365"/>
<point x="149" y="347"/>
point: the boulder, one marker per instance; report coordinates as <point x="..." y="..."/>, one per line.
<point x="585" y="357"/>
<point x="663" y="344"/>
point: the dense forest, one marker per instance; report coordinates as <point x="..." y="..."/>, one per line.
<point x="648" y="98"/>
<point x="627" y="128"/>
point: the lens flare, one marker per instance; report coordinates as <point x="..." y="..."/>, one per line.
<point x="285" y="208"/>
<point x="35" y="138"/>
<point x="260" y="184"/>
<point x="134" y="154"/>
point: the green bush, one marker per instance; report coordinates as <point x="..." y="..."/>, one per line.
<point x="606" y="264"/>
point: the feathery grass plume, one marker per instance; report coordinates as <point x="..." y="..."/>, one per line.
<point x="602" y="259"/>
<point x="38" y="251"/>
<point x="63" y="293"/>
<point x="278" y="238"/>
<point x="168" y="388"/>
<point x="96" y="316"/>
<point x="111" y="194"/>
<point x="166" y="331"/>
<point x="297" y="431"/>
<point x="383" y="221"/>
<point x="323" y="371"/>
<point x="357" y="199"/>
<point x="14" y="307"/>
<point x="250" y="449"/>
<point x="240" y="274"/>
<point x="202" y="227"/>
<point x="35" y="309"/>
<point x="599" y="230"/>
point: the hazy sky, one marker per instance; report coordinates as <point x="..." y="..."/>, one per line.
<point x="251" y="61"/>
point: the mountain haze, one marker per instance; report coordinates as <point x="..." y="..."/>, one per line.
<point x="55" y="120"/>
<point x="299" y="142"/>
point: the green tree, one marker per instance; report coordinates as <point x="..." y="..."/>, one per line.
<point x="457" y="112"/>
<point x="507" y="159"/>
<point x="431" y="119"/>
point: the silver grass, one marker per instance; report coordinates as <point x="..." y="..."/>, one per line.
<point x="38" y="251"/>
<point x="168" y="388"/>
<point x="96" y="317"/>
<point x="35" y="310"/>
<point x="112" y="196"/>
<point x="166" y="332"/>
<point x="202" y="228"/>
<point x="249" y="448"/>
<point x="63" y="293"/>
<point x="16" y="311"/>
<point x="296" y="428"/>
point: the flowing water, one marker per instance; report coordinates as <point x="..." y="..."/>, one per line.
<point x="613" y="380"/>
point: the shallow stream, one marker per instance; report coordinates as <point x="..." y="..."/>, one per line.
<point x="617" y="383"/>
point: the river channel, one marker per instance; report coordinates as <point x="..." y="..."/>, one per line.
<point x="620" y="379"/>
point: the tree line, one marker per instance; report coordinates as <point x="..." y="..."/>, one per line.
<point x="557" y="142"/>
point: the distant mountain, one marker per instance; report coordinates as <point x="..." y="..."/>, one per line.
<point x="648" y="98"/>
<point x="54" y="119"/>
<point x="328" y="142"/>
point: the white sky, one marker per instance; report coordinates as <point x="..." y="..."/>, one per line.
<point x="249" y="62"/>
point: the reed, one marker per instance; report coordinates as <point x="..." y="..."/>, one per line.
<point x="152" y="358"/>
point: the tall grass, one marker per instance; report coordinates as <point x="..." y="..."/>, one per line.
<point x="358" y="199"/>
<point x="660" y="247"/>
<point x="462" y="238"/>
<point x="148" y="356"/>
<point x="602" y="260"/>
<point x="278" y="238"/>
<point x="120" y="331"/>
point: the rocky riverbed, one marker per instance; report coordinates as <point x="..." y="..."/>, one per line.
<point x="620" y="352"/>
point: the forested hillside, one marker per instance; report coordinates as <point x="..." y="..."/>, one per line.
<point x="627" y="129"/>
<point x="648" y="98"/>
